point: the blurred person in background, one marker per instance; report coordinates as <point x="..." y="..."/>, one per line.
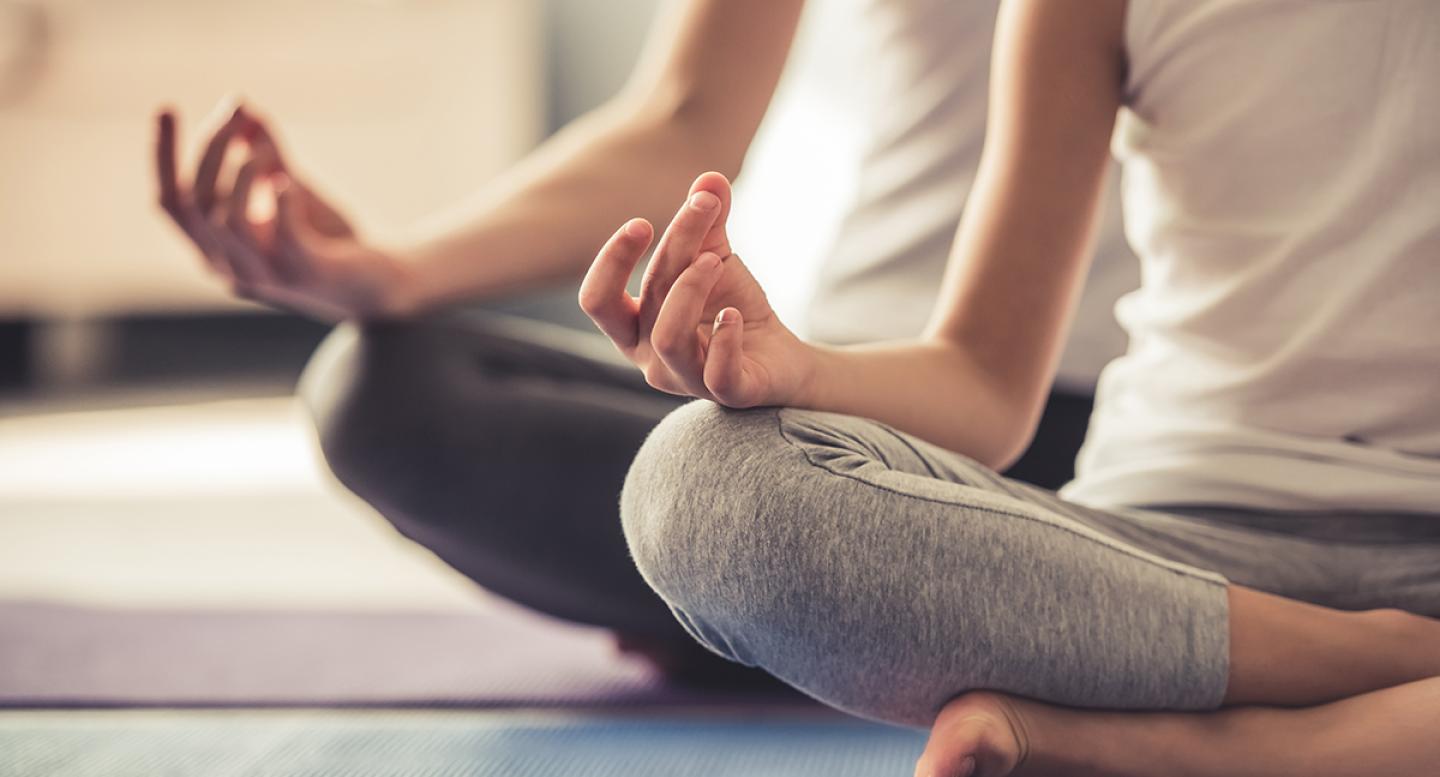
<point x="501" y="443"/>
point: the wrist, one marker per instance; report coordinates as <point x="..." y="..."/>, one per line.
<point x="818" y="365"/>
<point x="400" y="289"/>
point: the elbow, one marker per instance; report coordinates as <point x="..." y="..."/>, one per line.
<point x="1003" y="412"/>
<point x="1022" y="421"/>
<point x="1008" y="451"/>
<point x="1003" y="444"/>
<point x="991" y="434"/>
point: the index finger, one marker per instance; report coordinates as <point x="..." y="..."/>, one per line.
<point x="602" y="294"/>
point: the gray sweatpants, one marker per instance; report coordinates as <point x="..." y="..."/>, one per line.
<point x="884" y="575"/>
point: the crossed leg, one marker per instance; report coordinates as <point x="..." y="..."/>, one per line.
<point x="1371" y="680"/>
<point x="901" y="582"/>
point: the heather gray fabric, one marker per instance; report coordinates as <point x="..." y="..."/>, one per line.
<point x="884" y="575"/>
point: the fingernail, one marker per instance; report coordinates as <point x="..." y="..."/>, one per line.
<point x="703" y="201"/>
<point x="725" y="316"/>
<point x="635" y="228"/>
<point x="708" y="261"/>
<point x="967" y="766"/>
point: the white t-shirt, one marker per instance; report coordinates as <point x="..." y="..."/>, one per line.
<point x="1282" y="188"/>
<point x="921" y="104"/>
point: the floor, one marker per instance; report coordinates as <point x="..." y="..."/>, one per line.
<point x="98" y="509"/>
<point x="83" y="518"/>
<point x="448" y="744"/>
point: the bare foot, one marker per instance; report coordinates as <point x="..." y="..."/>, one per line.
<point x="979" y="734"/>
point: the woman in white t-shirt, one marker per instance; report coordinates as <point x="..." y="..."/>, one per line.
<point x="1252" y="546"/>
<point x="1254" y="523"/>
<point x="455" y="424"/>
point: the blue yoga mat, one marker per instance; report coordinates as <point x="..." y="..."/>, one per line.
<point x="426" y="744"/>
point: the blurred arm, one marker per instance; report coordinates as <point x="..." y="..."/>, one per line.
<point x="692" y="104"/>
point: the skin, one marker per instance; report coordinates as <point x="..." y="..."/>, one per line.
<point x="976" y="382"/>
<point x="1340" y="669"/>
<point x="1311" y="689"/>
<point x="693" y="103"/>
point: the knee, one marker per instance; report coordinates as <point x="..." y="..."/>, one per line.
<point x="693" y="509"/>
<point x="359" y="392"/>
<point x="767" y="555"/>
<point x="732" y="524"/>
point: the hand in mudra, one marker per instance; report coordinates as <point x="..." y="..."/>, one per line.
<point x="266" y="232"/>
<point x="702" y="325"/>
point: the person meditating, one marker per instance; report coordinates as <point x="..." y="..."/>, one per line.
<point x="1244" y="576"/>
<point x="851" y="536"/>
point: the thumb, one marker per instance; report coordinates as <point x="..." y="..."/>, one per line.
<point x="724" y="359"/>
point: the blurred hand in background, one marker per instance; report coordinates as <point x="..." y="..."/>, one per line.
<point x="266" y="231"/>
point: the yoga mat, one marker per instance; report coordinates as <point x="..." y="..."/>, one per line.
<point x="68" y="656"/>
<point x="391" y="744"/>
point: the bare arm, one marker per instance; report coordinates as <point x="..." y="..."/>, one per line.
<point x="693" y="103"/>
<point x="977" y="380"/>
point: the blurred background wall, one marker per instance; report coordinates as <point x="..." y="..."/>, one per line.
<point x="585" y="67"/>
<point x="396" y="107"/>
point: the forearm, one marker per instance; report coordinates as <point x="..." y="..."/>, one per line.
<point x="542" y="221"/>
<point x="929" y="388"/>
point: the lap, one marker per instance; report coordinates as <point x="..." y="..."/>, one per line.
<point x="811" y="544"/>
<point x="500" y="444"/>
<point x="1347" y="561"/>
<point x="1359" y="562"/>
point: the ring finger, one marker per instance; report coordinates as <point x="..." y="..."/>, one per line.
<point x="676" y="338"/>
<point x="232" y="226"/>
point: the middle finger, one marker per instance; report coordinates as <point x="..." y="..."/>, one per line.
<point x="676" y="338"/>
<point x="207" y="172"/>
<point x="676" y="251"/>
<point x="243" y="250"/>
